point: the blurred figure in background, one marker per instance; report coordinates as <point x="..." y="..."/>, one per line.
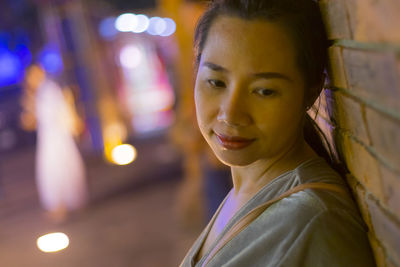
<point x="206" y="180"/>
<point x="60" y="172"/>
<point x="217" y="181"/>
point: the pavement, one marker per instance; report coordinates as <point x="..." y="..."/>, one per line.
<point x="131" y="219"/>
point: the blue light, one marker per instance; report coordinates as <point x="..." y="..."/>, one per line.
<point x="107" y="29"/>
<point x="5" y="38"/>
<point x="24" y="54"/>
<point x="156" y="26"/>
<point x="170" y="27"/>
<point x="142" y="23"/>
<point x="50" y="59"/>
<point x="161" y="26"/>
<point x="11" y="71"/>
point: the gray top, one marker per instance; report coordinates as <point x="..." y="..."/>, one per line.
<point x="313" y="227"/>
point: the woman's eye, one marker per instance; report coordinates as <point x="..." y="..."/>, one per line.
<point x="264" y="92"/>
<point x="216" y="83"/>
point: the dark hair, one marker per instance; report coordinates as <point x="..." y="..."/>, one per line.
<point x="302" y="19"/>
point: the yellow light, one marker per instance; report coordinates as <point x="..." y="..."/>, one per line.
<point x="52" y="242"/>
<point x="123" y="154"/>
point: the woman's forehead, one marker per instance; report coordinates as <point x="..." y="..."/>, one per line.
<point x="256" y="44"/>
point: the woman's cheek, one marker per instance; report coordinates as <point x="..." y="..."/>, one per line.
<point x="201" y="109"/>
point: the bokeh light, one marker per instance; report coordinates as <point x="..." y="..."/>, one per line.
<point x="123" y="154"/>
<point x="10" y="68"/>
<point x="170" y="27"/>
<point x="51" y="60"/>
<point x="126" y="22"/>
<point x="53" y="242"/>
<point x="107" y="29"/>
<point x="23" y="52"/>
<point x="150" y="101"/>
<point x="129" y="22"/>
<point x="142" y="23"/>
<point x="157" y="26"/>
<point x="130" y="56"/>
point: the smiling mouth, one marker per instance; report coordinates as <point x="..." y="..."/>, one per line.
<point x="233" y="142"/>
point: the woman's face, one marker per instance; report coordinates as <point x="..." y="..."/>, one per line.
<point x="249" y="91"/>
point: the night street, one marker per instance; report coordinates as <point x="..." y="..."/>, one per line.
<point x="131" y="220"/>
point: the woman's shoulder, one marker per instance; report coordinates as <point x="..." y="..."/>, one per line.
<point x="320" y="205"/>
<point x="330" y="230"/>
<point x="308" y="228"/>
<point x="320" y="228"/>
<point x="304" y="206"/>
<point x="310" y="201"/>
<point x="318" y="202"/>
<point x="317" y="170"/>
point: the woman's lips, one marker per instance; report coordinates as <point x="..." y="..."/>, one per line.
<point x="233" y="142"/>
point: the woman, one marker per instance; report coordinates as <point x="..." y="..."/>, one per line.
<point x="260" y="67"/>
<point x="60" y="170"/>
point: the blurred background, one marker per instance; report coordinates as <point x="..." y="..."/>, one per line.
<point x="98" y="138"/>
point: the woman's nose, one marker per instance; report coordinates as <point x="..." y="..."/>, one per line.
<point x="234" y="111"/>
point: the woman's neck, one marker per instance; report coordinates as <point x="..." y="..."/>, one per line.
<point x="248" y="180"/>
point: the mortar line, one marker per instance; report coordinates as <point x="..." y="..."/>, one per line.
<point x="370" y="150"/>
<point x="381" y="47"/>
<point x="390" y="113"/>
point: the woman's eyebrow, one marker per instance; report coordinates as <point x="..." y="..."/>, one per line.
<point x="214" y="66"/>
<point x="273" y="75"/>
<point x="264" y="75"/>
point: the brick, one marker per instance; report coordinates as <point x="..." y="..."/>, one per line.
<point x="359" y="194"/>
<point x="336" y="69"/>
<point x="398" y="65"/>
<point x="335" y="18"/>
<point x="363" y="166"/>
<point x="391" y="263"/>
<point x="379" y="253"/>
<point x="374" y="21"/>
<point x="386" y="229"/>
<point x="385" y="138"/>
<point x="373" y="76"/>
<point x="391" y="185"/>
<point x="348" y="115"/>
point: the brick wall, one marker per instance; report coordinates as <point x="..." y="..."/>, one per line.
<point x="360" y="110"/>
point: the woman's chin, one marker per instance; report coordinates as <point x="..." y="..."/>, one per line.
<point x="234" y="160"/>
